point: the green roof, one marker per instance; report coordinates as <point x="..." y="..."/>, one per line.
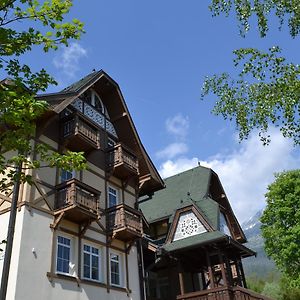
<point x="181" y="190"/>
<point x="195" y="241"/>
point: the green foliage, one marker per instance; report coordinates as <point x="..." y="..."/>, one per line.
<point x="265" y="92"/>
<point x="261" y="10"/>
<point x="255" y="284"/>
<point x="43" y="26"/>
<point x="280" y="224"/>
<point x="266" y="89"/>
<point x="272" y="290"/>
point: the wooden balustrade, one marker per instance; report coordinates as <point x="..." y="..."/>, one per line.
<point x="79" y="197"/>
<point x="122" y="161"/>
<point x="223" y="293"/>
<point x="124" y="222"/>
<point x="80" y="133"/>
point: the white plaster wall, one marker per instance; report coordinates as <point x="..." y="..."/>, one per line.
<point x="4" y="219"/>
<point x="32" y="282"/>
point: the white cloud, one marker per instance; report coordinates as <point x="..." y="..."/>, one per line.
<point x="246" y="173"/>
<point x="178" y="126"/>
<point x="68" y="61"/>
<point x="172" y="150"/>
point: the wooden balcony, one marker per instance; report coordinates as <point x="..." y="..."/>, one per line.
<point x="79" y="133"/>
<point x="77" y="200"/>
<point x="223" y="293"/>
<point x="124" y="223"/>
<point x="122" y="162"/>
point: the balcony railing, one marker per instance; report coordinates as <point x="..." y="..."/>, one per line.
<point x="221" y="293"/>
<point x="124" y="222"/>
<point x="81" y="131"/>
<point x="76" y="194"/>
<point x="122" y="160"/>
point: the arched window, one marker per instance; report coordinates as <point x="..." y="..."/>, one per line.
<point x="93" y="99"/>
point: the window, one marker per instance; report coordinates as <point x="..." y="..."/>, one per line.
<point x="93" y="99"/>
<point x="110" y="142"/>
<point x="115" y="275"/>
<point x="223" y="224"/>
<point x="66" y="175"/>
<point x="63" y="255"/>
<point x="91" y="263"/>
<point x="113" y="196"/>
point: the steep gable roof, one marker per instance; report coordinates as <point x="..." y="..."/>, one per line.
<point x="112" y="97"/>
<point x="200" y="186"/>
<point x="189" y="185"/>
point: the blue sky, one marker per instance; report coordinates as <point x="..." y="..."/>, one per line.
<point x="159" y="52"/>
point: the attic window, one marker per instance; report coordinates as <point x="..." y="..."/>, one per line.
<point x="188" y="225"/>
<point x="93" y="99"/>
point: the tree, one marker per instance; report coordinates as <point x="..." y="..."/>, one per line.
<point x="44" y="27"/>
<point x="266" y="90"/>
<point x="280" y="224"/>
<point x="19" y="109"/>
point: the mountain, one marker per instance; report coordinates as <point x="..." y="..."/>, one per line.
<point x="260" y="266"/>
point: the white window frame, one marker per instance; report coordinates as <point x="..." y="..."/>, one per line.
<point x="69" y="273"/>
<point x="117" y="195"/>
<point x="99" y="255"/>
<point x="120" y="268"/>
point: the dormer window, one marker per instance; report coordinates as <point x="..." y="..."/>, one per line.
<point x="93" y="99"/>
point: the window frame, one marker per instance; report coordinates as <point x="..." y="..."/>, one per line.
<point x="72" y="175"/>
<point x="120" y="268"/>
<point x="99" y="255"/>
<point x="117" y="195"/>
<point x="70" y="246"/>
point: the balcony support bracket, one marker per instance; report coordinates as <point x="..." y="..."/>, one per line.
<point x="57" y="220"/>
<point x="84" y="228"/>
<point x="128" y="246"/>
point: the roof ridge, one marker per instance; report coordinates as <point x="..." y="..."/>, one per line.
<point x="186" y="171"/>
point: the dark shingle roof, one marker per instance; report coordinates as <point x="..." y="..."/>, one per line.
<point x="78" y="85"/>
<point x="188" y="187"/>
<point x="195" y="241"/>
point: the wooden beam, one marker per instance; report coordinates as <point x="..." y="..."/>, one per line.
<point x="57" y="220"/>
<point x="210" y="271"/>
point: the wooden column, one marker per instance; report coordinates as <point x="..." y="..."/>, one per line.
<point x="242" y="272"/>
<point x="229" y="271"/>
<point x="181" y="281"/>
<point x="210" y="272"/>
<point x="224" y="275"/>
<point x="238" y="273"/>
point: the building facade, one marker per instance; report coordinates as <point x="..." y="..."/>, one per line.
<point x="77" y="233"/>
<point x="193" y="247"/>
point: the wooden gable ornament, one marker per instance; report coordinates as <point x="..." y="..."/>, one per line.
<point x="188" y="221"/>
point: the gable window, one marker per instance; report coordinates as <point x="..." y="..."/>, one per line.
<point x="63" y="255"/>
<point x="223" y="224"/>
<point x="188" y="225"/>
<point x="93" y="99"/>
<point x="91" y="263"/>
<point x="115" y="270"/>
<point x="113" y="197"/>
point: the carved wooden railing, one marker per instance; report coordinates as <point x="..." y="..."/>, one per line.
<point x="223" y="293"/>
<point x="123" y="217"/>
<point x="74" y="192"/>
<point x="119" y="154"/>
<point x="75" y="125"/>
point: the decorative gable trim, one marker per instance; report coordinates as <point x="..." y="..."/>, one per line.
<point x="193" y="209"/>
